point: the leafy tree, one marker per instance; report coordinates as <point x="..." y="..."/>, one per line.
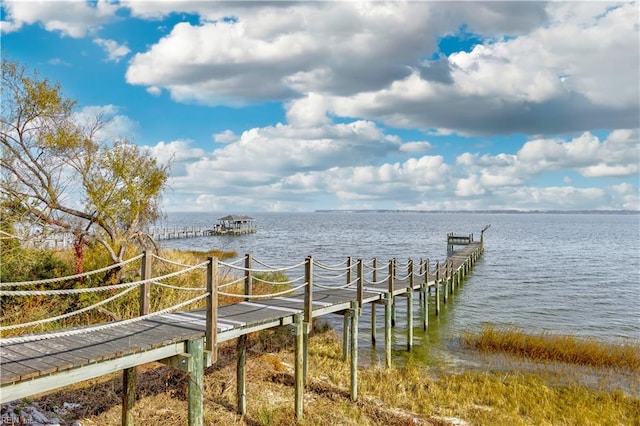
<point x="59" y="176"/>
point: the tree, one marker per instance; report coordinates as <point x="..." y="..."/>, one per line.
<point x="60" y="176"/>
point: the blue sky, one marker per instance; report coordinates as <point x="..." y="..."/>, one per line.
<point x="287" y="106"/>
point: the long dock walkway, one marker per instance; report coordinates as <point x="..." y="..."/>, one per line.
<point x="188" y="339"/>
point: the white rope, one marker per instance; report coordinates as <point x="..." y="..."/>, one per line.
<point x="70" y="277"/>
<point x="94" y="289"/>
<point x="238" y="281"/>
<point x="263" y="296"/>
<point x="33" y="338"/>
<point x="171" y="262"/>
<point x="333" y="287"/>
<point x="175" y="287"/>
<point x="67" y="315"/>
<point x="330" y="277"/>
<point x="241" y="268"/>
<point x="330" y="268"/>
<point x="322" y="265"/>
<point x="278" y="282"/>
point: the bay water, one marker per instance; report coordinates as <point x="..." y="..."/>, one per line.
<point x="564" y="273"/>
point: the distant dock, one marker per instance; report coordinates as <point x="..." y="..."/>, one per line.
<point x="227" y="225"/>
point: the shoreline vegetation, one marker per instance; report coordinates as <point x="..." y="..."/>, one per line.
<point x="514" y="394"/>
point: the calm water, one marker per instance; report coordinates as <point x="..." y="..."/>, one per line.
<point x="560" y="273"/>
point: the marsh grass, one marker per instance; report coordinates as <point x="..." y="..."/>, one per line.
<point x="395" y="396"/>
<point x="556" y="348"/>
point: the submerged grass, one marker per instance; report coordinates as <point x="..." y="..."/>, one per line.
<point x="555" y="348"/>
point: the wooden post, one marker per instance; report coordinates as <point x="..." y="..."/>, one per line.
<point x="445" y="285"/>
<point x="409" y="318"/>
<point x="354" y="351"/>
<point x="373" y="324"/>
<point x="299" y="365"/>
<point x="437" y="288"/>
<point x="425" y="306"/>
<point x="241" y="375"/>
<point x="348" y="269"/>
<point x="345" y="335"/>
<point x="195" y="348"/>
<point x="410" y="273"/>
<point x="426" y="272"/>
<point x="391" y="282"/>
<point x="453" y="284"/>
<point x="387" y="329"/>
<point x="360" y="277"/>
<point x="128" y="395"/>
<point x="145" y="289"/>
<point x="248" y="279"/>
<point x="374" y="273"/>
<point x="308" y="314"/>
<point x="212" y="309"/>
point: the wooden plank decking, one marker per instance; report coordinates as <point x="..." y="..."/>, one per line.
<point x="27" y="368"/>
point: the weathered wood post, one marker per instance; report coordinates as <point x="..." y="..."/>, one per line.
<point x="299" y="364"/>
<point x="348" y="269"/>
<point x="195" y="348"/>
<point x="452" y="285"/>
<point x="391" y="283"/>
<point x="374" y="279"/>
<point x="445" y="285"/>
<point x="248" y="278"/>
<point x="129" y="374"/>
<point x="145" y="289"/>
<point x="345" y="335"/>
<point x="387" y="329"/>
<point x="212" y="309"/>
<point x="360" y="278"/>
<point x="410" y="307"/>
<point x="241" y="375"/>
<point x="437" y="287"/>
<point x="354" y="350"/>
<point x="308" y="313"/>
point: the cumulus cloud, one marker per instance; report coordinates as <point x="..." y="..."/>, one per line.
<point x="114" y="51"/>
<point x="116" y="125"/>
<point x="75" y="19"/>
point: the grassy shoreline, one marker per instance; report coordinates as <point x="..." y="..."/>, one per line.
<point x="397" y="396"/>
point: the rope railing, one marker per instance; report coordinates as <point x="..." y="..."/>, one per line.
<point x="325" y="266"/>
<point x="263" y="296"/>
<point x="68" y="314"/>
<point x="234" y="282"/>
<point x="70" y="277"/>
<point x="336" y="287"/>
<point x="330" y="277"/>
<point x="252" y="270"/>
<point x="94" y="289"/>
<point x="292" y="281"/>
<point x="330" y="268"/>
<point x="171" y="262"/>
<point x="90" y="329"/>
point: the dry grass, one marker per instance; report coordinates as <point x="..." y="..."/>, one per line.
<point x="556" y="348"/>
<point x="396" y="396"/>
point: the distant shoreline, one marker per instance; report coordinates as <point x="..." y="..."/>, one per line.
<point x="622" y="212"/>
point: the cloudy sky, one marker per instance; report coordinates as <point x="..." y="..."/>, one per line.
<point x="297" y="106"/>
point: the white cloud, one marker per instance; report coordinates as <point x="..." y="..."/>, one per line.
<point x="116" y="125"/>
<point x="71" y="18"/>
<point x="114" y="51"/>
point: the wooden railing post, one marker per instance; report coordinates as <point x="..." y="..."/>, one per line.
<point x="392" y="283"/>
<point x="437" y="287"/>
<point x="348" y="270"/>
<point x="248" y="279"/>
<point x="426" y="271"/>
<point x="360" y="272"/>
<point x="212" y="309"/>
<point x="308" y="315"/>
<point x="410" y="273"/>
<point x="145" y="289"/>
<point x="374" y="273"/>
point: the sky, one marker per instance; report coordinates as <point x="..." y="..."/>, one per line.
<point x="297" y="106"/>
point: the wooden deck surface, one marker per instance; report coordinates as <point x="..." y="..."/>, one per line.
<point x="164" y="335"/>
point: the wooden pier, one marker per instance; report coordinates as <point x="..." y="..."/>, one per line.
<point x="188" y="340"/>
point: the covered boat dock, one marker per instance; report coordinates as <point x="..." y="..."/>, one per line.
<point x="234" y="224"/>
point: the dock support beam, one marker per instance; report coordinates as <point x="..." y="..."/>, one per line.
<point x="128" y="395"/>
<point x="354" y="350"/>
<point x="373" y="324"/>
<point x="241" y="375"/>
<point x="299" y="365"/>
<point x="424" y="300"/>
<point x="345" y="336"/>
<point x="387" y="330"/>
<point x="409" y="318"/>
<point x="195" y="348"/>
